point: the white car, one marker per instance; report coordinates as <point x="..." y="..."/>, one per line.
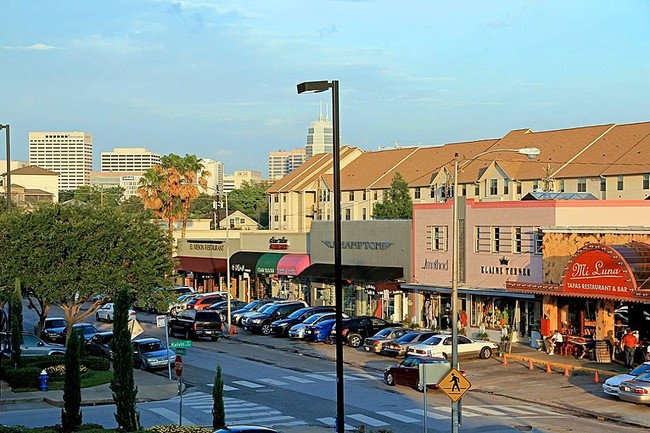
<point x="439" y="346"/>
<point x="106" y="313"/>
<point x="610" y="386"/>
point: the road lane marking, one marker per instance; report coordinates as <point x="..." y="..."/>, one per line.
<point x="367" y="420"/>
<point x="398" y="417"/>
<point x="539" y="409"/>
<point x="298" y="379"/>
<point x="331" y="422"/>
<point x="248" y="384"/>
<point x="429" y="414"/>
<point x="273" y="382"/>
<point x="447" y="409"/>
<point x="322" y="377"/>
<point x="512" y="409"/>
<point x="483" y="410"/>
<point x="172" y="416"/>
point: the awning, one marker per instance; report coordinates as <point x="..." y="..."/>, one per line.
<point x="268" y="263"/>
<point x="417" y="288"/>
<point x="205" y="265"/>
<point x="354" y="273"/>
<point x="293" y="264"/>
<point x="244" y="261"/>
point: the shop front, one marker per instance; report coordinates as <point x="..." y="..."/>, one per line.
<point x="203" y="262"/>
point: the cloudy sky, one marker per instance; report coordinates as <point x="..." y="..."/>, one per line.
<point x="218" y="78"/>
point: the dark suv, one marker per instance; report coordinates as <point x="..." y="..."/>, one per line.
<point x="196" y="323"/>
<point x="261" y="322"/>
<point x="356" y="329"/>
<point x="281" y="327"/>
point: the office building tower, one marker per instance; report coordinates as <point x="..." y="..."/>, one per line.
<point x="284" y="162"/>
<point x="319" y="136"/>
<point x="68" y="153"/>
<point x="128" y="159"/>
<point x="215" y="178"/>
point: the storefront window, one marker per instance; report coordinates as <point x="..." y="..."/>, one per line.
<point x="493" y="313"/>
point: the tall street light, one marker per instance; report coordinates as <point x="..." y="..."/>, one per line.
<point x="317" y="87"/>
<point x="8" y="175"/>
<point x="531" y="153"/>
<point x="225" y="194"/>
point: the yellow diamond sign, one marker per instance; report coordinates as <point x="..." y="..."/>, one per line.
<point x="454" y="384"/>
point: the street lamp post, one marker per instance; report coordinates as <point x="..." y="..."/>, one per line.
<point x="228" y="259"/>
<point x="532" y="153"/>
<point x="8" y="175"/>
<point x="316" y="87"/>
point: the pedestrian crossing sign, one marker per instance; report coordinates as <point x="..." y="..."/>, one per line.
<point x="454" y="384"/>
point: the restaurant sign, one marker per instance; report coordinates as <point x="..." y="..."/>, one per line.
<point x="598" y="270"/>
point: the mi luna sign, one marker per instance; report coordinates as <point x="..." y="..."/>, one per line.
<point x="360" y="245"/>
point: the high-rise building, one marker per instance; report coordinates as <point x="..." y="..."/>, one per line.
<point x="128" y="159"/>
<point x="235" y="181"/>
<point x="68" y="153"/>
<point x="284" y="162"/>
<point x="320" y="136"/>
<point x="215" y="179"/>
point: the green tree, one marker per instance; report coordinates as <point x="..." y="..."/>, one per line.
<point x="218" y="409"/>
<point x="65" y="254"/>
<point x="71" y="412"/>
<point x="65" y="195"/>
<point x="134" y="205"/>
<point x="251" y="200"/>
<point x="397" y="204"/>
<point x="99" y="196"/>
<point x="16" y="323"/>
<point x="123" y="384"/>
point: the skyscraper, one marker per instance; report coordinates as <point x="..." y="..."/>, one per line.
<point x="320" y="137"/>
<point x="284" y="162"/>
<point x="128" y="159"/>
<point x="68" y="153"/>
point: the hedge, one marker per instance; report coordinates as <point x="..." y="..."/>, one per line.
<point x="96" y="363"/>
<point x="26" y="377"/>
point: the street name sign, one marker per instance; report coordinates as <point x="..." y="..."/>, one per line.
<point x="183" y="344"/>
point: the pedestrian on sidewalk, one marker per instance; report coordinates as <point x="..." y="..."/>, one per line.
<point x="552" y="341"/>
<point x="629" y="342"/>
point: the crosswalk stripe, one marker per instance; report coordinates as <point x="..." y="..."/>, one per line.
<point x="538" y="409"/>
<point x="483" y="409"/>
<point x="229" y="388"/>
<point x="235" y="405"/>
<point x="298" y="379"/>
<point x="367" y="420"/>
<point x="273" y="382"/>
<point x="331" y="422"/>
<point x="322" y="377"/>
<point x="248" y="384"/>
<point x="513" y="410"/>
<point x="447" y="409"/>
<point x="289" y="424"/>
<point x="172" y="416"/>
<point x="200" y="406"/>
<point x="270" y="419"/>
<point x="429" y="414"/>
<point x="398" y="417"/>
<point x="250" y="414"/>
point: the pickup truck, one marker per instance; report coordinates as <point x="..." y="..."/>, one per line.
<point x="195" y="324"/>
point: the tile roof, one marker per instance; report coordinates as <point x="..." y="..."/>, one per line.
<point x="33" y="170"/>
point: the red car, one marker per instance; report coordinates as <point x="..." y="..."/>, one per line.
<point x="204" y="302"/>
<point x="407" y="372"/>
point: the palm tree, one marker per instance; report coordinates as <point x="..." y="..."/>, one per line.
<point x="159" y="190"/>
<point x="193" y="175"/>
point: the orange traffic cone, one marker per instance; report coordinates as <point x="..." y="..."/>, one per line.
<point x="233" y="330"/>
<point x="566" y="371"/>
<point x="505" y="359"/>
<point x="548" y="368"/>
<point x="530" y="364"/>
<point x="596" y="377"/>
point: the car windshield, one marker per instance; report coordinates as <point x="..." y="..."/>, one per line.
<point x="296" y="314"/>
<point x="315" y="317"/>
<point x="58" y="323"/>
<point x="153" y="346"/>
<point x="406" y="338"/>
<point x="432" y="341"/>
<point x="264" y="308"/>
<point x="640" y="369"/>
<point x="383" y="333"/>
<point x="645" y="377"/>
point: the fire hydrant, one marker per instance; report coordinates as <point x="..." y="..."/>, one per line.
<point x="42" y="380"/>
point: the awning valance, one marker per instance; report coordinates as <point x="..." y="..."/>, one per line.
<point x="268" y="263"/>
<point x="354" y="272"/>
<point x="205" y="265"/>
<point x="293" y="264"/>
<point x="244" y="261"/>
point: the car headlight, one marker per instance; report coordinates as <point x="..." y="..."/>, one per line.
<point x="256" y="321"/>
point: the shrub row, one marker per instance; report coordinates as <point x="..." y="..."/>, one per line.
<point x="26" y="377"/>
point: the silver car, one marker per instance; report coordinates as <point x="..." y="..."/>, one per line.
<point x="34" y="346"/>
<point x="610" y="386"/>
<point x="636" y="390"/>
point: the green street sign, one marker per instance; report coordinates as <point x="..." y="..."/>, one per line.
<point x="181" y="351"/>
<point x="180" y="344"/>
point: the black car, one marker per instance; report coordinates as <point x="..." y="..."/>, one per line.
<point x="196" y="323"/>
<point x="100" y="345"/>
<point x="281" y="327"/>
<point x="356" y="329"/>
<point x="221" y="307"/>
<point x="87" y="330"/>
<point x="53" y="329"/>
<point x="255" y="306"/>
<point x="407" y="372"/>
<point x="261" y="322"/>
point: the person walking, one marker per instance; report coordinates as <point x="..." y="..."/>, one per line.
<point x="629" y="343"/>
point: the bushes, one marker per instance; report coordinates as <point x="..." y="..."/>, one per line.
<point x="26" y="377"/>
<point x="96" y="363"/>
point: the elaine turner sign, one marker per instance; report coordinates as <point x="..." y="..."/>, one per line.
<point x="597" y="269"/>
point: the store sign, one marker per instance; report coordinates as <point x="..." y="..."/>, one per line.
<point x="204" y="246"/>
<point x="436" y="265"/>
<point x="278" y="243"/>
<point x="598" y="271"/>
<point x="360" y="245"/>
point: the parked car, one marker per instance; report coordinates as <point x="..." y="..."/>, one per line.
<point x="261" y="321"/>
<point x="321" y="332"/>
<point x="100" y="345"/>
<point x="34" y="346"/>
<point x="374" y="343"/>
<point x="221" y="307"/>
<point x="636" y="390"/>
<point x="407" y="372"/>
<point x="357" y="329"/>
<point x="610" y="386"/>
<point x="399" y="346"/>
<point x="256" y="305"/>
<point x="85" y="329"/>
<point x="151" y="353"/>
<point x="53" y="329"/>
<point x="281" y="327"/>
<point x="297" y="331"/>
<point x="193" y="324"/>
<point x="107" y="313"/>
<point x="201" y="302"/>
<point x="439" y="346"/>
<point x="181" y="302"/>
<point x="181" y="290"/>
<point x="246" y="429"/>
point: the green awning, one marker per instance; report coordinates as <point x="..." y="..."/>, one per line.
<point x="268" y="263"/>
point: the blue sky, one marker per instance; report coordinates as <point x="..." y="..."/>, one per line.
<point x="218" y="78"/>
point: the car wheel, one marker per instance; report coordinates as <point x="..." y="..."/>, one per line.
<point x="355" y="340"/>
<point x="109" y="318"/>
<point x="97" y="317"/>
<point x="390" y="380"/>
<point x="142" y="366"/>
<point x="419" y="386"/>
<point x="188" y="335"/>
<point x="330" y="340"/>
<point x="485" y="353"/>
<point x="172" y="311"/>
<point x="266" y="329"/>
<point x="214" y="338"/>
<point x="444" y="355"/>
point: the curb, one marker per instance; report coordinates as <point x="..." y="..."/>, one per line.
<point x="562" y="366"/>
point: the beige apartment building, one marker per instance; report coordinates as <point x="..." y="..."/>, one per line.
<point x="609" y="162"/>
<point x="128" y="159"/>
<point x="68" y="153"/>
